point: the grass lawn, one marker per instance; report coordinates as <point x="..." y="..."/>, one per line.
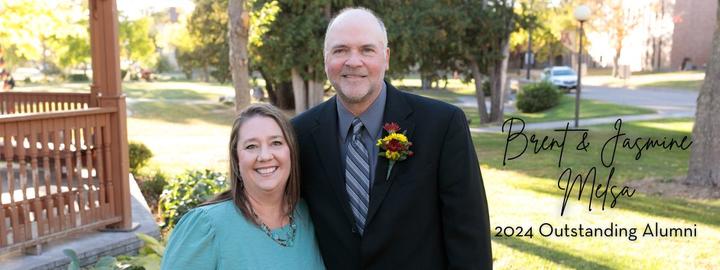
<point x="525" y="193"/>
<point x="176" y="90"/>
<point x="182" y="123"/>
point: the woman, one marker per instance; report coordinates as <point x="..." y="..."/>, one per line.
<point x="260" y="223"/>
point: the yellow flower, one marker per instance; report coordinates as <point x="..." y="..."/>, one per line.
<point x="397" y="136"/>
<point x="392" y="155"/>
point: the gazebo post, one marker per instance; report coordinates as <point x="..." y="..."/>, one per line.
<point x="107" y="92"/>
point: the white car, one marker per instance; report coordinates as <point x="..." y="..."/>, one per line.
<point x="29" y="73"/>
<point x="563" y="77"/>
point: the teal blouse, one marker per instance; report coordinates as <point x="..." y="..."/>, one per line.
<point x="218" y="236"/>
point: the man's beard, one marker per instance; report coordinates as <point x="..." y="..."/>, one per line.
<point x="349" y="99"/>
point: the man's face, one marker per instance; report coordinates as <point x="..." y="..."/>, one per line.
<point x="356" y="58"/>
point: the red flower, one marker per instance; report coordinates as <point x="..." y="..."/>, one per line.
<point x="391" y="127"/>
<point x="394" y="146"/>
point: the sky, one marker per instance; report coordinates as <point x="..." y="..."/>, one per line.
<point x="135" y="8"/>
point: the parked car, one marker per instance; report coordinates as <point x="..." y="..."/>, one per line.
<point x="563" y="77"/>
<point x="28" y="73"/>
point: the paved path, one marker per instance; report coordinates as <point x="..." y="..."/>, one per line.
<point x="661" y="100"/>
<point x="668" y="104"/>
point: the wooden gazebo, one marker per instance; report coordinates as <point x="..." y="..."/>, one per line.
<point x="63" y="156"/>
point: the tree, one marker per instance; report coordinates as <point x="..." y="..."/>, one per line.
<point x="286" y="44"/>
<point x="29" y="30"/>
<point x="616" y="19"/>
<point x="20" y="28"/>
<point x="547" y="23"/>
<point x="480" y="32"/>
<point x="239" y="24"/>
<point x="410" y="26"/>
<point x="187" y="56"/>
<point x="75" y="52"/>
<point x="136" y="42"/>
<point x="704" y="167"/>
<point x="208" y="45"/>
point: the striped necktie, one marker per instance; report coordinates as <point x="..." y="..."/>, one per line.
<point x="357" y="175"/>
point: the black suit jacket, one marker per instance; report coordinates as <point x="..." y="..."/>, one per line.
<point x="431" y="213"/>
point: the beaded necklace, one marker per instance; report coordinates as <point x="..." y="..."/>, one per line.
<point x="289" y="239"/>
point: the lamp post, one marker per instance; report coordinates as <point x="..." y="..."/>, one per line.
<point x="529" y="55"/>
<point x="582" y="14"/>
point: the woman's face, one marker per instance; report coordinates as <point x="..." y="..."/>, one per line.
<point x="263" y="156"/>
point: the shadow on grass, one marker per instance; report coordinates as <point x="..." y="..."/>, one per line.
<point x="183" y="113"/>
<point x="672" y="208"/>
<point x="557" y="256"/>
<point x="166" y="94"/>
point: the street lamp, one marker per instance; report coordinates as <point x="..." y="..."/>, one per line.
<point x="582" y="14"/>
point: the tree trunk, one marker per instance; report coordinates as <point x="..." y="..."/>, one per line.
<point x="498" y="80"/>
<point x="425" y="83"/>
<point x="206" y="72"/>
<point x="315" y="91"/>
<point x="269" y="87"/>
<point x="616" y="59"/>
<point x="239" y="23"/>
<point x="704" y="167"/>
<point x="284" y="92"/>
<point x="479" y="95"/>
<point x="299" y="91"/>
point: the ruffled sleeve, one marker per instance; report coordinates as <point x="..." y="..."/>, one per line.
<point x="192" y="243"/>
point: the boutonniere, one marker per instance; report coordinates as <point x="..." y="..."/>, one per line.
<point x="395" y="146"/>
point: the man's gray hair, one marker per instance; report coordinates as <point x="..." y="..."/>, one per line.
<point x="348" y="9"/>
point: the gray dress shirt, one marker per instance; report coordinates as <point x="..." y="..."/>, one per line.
<point x="371" y="132"/>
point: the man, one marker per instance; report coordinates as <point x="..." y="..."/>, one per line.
<point x="425" y="212"/>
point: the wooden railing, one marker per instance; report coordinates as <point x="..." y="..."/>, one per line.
<point x="55" y="175"/>
<point x="37" y="102"/>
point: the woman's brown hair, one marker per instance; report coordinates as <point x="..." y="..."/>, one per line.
<point x="237" y="190"/>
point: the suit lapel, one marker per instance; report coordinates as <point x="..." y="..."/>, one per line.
<point x="399" y="111"/>
<point x="328" y="150"/>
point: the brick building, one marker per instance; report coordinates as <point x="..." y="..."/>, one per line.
<point x="660" y="35"/>
<point x="694" y="22"/>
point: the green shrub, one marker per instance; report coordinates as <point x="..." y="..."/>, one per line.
<point x="163" y="64"/>
<point x="78" y="78"/>
<point x="139" y="156"/>
<point x="152" y="185"/>
<point x="537" y="97"/>
<point x="188" y="191"/>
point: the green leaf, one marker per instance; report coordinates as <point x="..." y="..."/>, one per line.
<point x="152" y="243"/>
<point x="149" y="262"/>
<point x="106" y="263"/>
<point x="74" y="262"/>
